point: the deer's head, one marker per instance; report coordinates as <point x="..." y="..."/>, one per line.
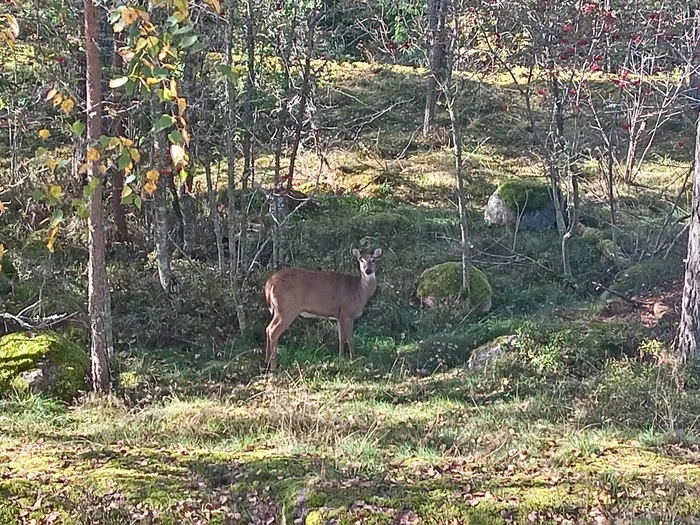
<point x="368" y="262"/>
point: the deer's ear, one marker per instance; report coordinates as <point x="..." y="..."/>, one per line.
<point x="356" y="253"/>
<point x="377" y="253"/>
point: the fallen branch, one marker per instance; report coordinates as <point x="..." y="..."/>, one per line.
<point x="34" y="323"/>
<point x="624" y="297"/>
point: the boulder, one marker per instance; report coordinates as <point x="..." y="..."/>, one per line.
<point x="485" y="355"/>
<point x="42" y="362"/>
<point x="529" y="203"/>
<point x="442" y="284"/>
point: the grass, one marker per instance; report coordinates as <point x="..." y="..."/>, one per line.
<point x="582" y="420"/>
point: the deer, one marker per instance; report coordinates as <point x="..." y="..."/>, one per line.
<point x="294" y="291"/>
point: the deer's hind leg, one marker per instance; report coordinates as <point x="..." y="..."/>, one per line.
<point x="273" y="332"/>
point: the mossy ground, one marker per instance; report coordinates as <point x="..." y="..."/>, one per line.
<point x="579" y="423"/>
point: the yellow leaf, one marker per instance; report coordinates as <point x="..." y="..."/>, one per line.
<point x="102" y="169"/>
<point x="3" y="209"/>
<point x="126" y="191"/>
<point x="83" y="169"/>
<point x="173" y="87"/>
<point x="185" y="136"/>
<point x="215" y="4"/>
<point x="55" y="191"/>
<point x="2" y="250"/>
<point x="51" y="94"/>
<point x="57" y="99"/>
<point x="181" y="105"/>
<point x="150" y="81"/>
<point x="113" y="143"/>
<point x="67" y="105"/>
<point x="93" y="154"/>
<point x="182" y="7"/>
<point x="149" y="188"/>
<point x="152" y="175"/>
<point x="51" y="164"/>
<point x="44" y="134"/>
<point x="129" y="15"/>
<point x="12" y="23"/>
<point x="178" y="154"/>
<point x="126" y="142"/>
<point x="135" y="155"/>
<point x="52" y="238"/>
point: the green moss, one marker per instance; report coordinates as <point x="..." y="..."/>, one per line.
<point x="524" y="196"/>
<point x="20" y="352"/>
<point x="445" y="281"/>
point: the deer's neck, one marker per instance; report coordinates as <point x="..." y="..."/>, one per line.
<point x="368" y="285"/>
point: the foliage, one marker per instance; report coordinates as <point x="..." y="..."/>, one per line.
<point x="20" y="352"/>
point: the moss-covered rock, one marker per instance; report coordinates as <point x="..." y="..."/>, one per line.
<point x="524" y="196"/>
<point x="444" y="281"/>
<point x="42" y="362"/>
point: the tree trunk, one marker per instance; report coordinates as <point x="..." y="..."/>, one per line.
<point x="573" y="225"/>
<point x="688" y="346"/>
<point x="214" y="212"/>
<point x="98" y="283"/>
<point x="248" y="131"/>
<point x="231" y="184"/>
<point x="436" y="27"/>
<point x="161" y="157"/>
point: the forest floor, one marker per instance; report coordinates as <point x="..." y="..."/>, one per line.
<point x="582" y="423"/>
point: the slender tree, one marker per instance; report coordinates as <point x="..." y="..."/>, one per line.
<point x="437" y="10"/>
<point x="98" y="285"/>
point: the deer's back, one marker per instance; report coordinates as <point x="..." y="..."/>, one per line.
<point x="315" y="293"/>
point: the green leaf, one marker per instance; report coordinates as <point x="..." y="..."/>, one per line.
<point x="90" y="187"/>
<point x="37" y="195"/>
<point x="118" y="82"/>
<point x="183" y="175"/>
<point x="188" y="40"/>
<point x="78" y="128"/>
<point x="164" y="122"/>
<point x="175" y="136"/>
<point x="124" y="160"/>
<point x="130" y="85"/>
<point x="199" y="46"/>
<point x="182" y="30"/>
<point x="56" y="218"/>
<point x="105" y="140"/>
<point x="128" y="199"/>
<point x="225" y="69"/>
<point x="137" y="201"/>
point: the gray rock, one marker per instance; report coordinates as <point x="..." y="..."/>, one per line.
<point x="498" y="213"/>
<point x="42" y="378"/>
<point x="485" y="355"/>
